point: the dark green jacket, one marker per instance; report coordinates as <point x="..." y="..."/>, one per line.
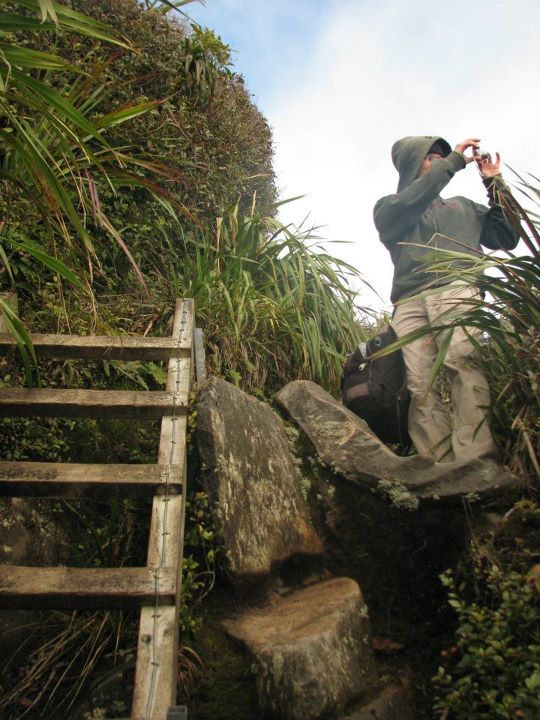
<point x="416" y="219"/>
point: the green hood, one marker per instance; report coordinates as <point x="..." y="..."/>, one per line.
<point x="416" y="220"/>
<point x="408" y="154"/>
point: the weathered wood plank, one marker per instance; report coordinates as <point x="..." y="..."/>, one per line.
<point x="80" y="588"/>
<point x="157" y="649"/>
<point x="36" y="479"/>
<point x="157" y="652"/>
<point x="100" y="347"/>
<point x="22" y="402"/>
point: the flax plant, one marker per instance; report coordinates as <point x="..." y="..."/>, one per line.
<point x="273" y="303"/>
<point x="43" y="135"/>
<point x="54" y="158"/>
<point x="164" y="6"/>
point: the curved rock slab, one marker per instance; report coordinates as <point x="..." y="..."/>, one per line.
<point x="250" y="476"/>
<point x="346" y="443"/>
<point x="312" y="650"/>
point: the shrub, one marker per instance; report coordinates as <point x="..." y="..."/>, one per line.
<point x="494" y="668"/>
<point x="273" y="304"/>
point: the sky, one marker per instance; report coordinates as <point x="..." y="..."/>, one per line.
<point x="340" y="80"/>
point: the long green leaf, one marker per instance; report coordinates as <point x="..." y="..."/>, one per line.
<point x="54" y="99"/>
<point x="15" y="326"/>
<point x="43" y="173"/>
<point x="11" y="23"/>
<point x="7" y="267"/>
<point x="27" y="58"/>
<point x="47" y="8"/>
<point x="126" y="113"/>
<point x="166" y="5"/>
<point x="77" y="22"/>
<point x="47" y="260"/>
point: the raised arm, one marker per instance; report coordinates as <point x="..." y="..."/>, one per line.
<point x="498" y="232"/>
<point x="395" y="214"/>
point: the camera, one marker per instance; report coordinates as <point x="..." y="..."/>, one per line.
<point x="480" y="154"/>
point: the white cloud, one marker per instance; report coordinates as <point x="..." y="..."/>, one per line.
<point x="379" y="72"/>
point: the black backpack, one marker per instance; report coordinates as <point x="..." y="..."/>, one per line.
<point x="376" y="390"/>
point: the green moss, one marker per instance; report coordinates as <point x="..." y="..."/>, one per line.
<point x="398" y="495"/>
<point x="226" y="688"/>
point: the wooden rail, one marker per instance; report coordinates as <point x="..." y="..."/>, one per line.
<point x="48" y="479"/>
<point x="155" y="588"/>
<point x="102" y="347"/>
<point x="20" y="402"/>
<point x="33" y="588"/>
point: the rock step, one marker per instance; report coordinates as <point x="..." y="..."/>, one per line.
<point x="312" y="650"/>
<point x="346" y="443"/>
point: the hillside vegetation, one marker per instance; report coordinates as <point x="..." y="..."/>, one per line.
<point x="173" y="194"/>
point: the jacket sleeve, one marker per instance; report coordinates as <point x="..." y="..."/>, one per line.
<point x="395" y="214"/>
<point x="498" y="232"/>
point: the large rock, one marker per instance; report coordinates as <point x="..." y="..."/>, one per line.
<point x="346" y="443"/>
<point x="312" y="651"/>
<point x="251" y="478"/>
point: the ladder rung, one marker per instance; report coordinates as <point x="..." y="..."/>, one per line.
<point x="42" y="479"/>
<point x="22" y="402"/>
<point x="29" y="588"/>
<point x="99" y="347"/>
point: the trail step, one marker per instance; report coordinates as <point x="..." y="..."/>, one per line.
<point x="102" y="347"/>
<point x="21" y="402"/>
<point x="68" y="588"/>
<point x="47" y="479"/>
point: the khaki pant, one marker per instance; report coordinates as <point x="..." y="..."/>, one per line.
<point x="435" y="434"/>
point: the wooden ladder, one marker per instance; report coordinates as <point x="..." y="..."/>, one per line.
<point x="155" y="589"/>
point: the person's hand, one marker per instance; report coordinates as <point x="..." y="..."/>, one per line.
<point x="486" y="167"/>
<point x="465" y="145"/>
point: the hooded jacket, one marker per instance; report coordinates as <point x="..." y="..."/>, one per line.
<point x="415" y="220"/>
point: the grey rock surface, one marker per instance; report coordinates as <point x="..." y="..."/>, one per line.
<point x="312" y="650"/>
<point x="346" y="443"/>
<point x="251" y="478"/>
